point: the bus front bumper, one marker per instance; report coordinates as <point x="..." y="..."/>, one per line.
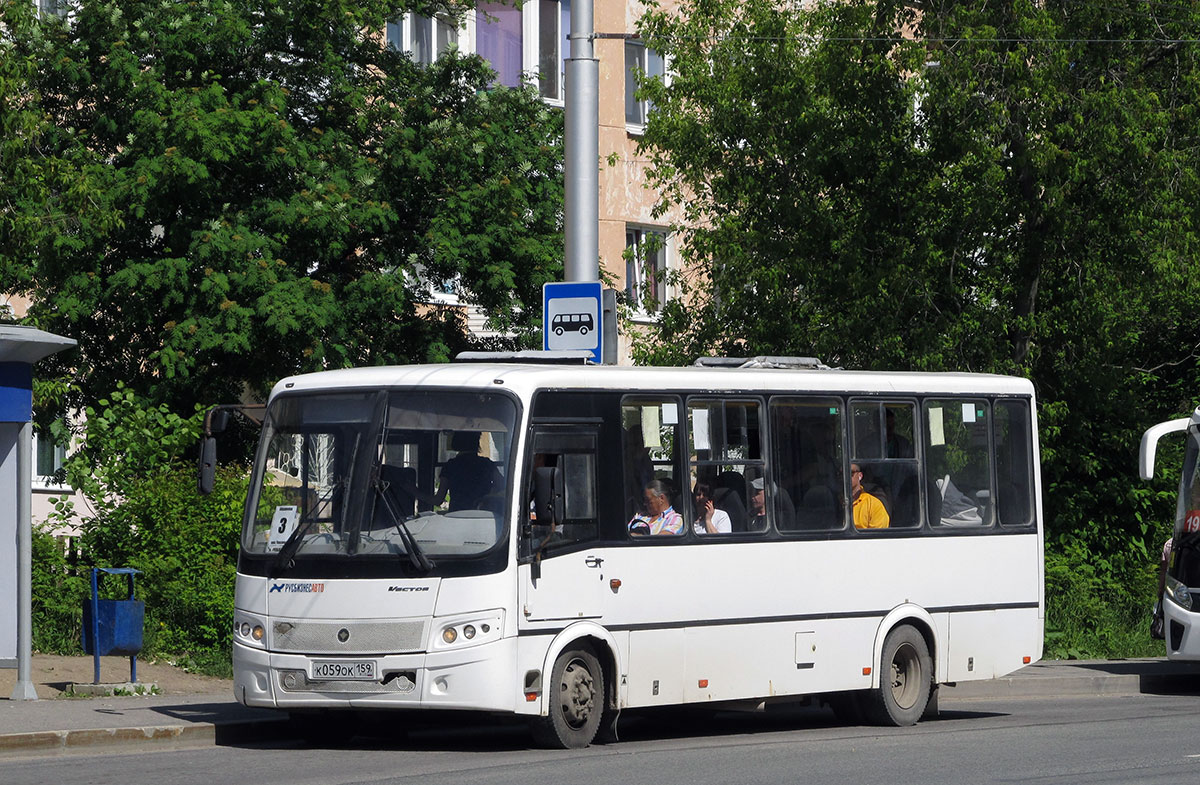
<point x="478" y="678"/>
<point x="1182" y="631"/>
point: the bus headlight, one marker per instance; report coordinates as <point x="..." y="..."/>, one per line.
<point x="249" y="630"/>
<point x="1179" y="593"/>
<point x="470" y="630"/>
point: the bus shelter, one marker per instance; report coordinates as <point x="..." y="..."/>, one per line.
<point x="20" y="348"/>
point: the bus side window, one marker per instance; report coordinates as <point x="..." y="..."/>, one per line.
<point x="572" y="451"/>
<point x="650" y="441"/>
<point x="726" y="454"/>
<point x="1014" y="459"/>
<point x="958" y="462"/>
<point x="882" y="440"/>
<point x="806" y="458"/>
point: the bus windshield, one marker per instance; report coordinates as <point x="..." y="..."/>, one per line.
<point x="1186" y="566"/>
<point x="416" y="473"/>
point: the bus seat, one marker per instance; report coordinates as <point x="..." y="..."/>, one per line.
<point x="933" y="496"/>
<point x="729" y="501"/>
<point x="817" y="509"/>
<point x="733" y="481"/>
<point x="785" y="509"/>
<point x="907" y="504"/>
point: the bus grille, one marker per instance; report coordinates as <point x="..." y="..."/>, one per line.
<point x="348" y="637"/>
<point x="297" y="681"/>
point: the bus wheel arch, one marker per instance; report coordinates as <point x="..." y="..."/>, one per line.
<point x="578" y="662"/>
<point x="903" y="682"/>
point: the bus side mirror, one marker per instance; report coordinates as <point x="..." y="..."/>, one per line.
<point x="218" y="421"/>
<point x="208" y="464"/>
<point x="548" y="495"/>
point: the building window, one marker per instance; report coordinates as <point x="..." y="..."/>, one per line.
<point x="426" y="38"/>
<point x="498" y="40"/>
<point x="48" y="459"/>
<point x="554" y="21"/>
<point x="639" y="60"/>
<point x="53" y="8"/>
<point x="525" y="44"/>
<point x="645" y="269"/>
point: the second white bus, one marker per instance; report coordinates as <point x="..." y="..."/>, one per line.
<point x="466" y="536"/>
<point x="1181" y="592"/>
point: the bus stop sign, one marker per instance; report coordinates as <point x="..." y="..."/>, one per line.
<point x="572" y="317"/>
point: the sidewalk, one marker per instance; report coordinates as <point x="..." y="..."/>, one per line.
<point x="56" y="725"/>
<point x="1059" y="678"/>
<point x="188" y="709"/>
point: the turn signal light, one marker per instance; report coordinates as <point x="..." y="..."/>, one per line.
<point x="867" y="671"/>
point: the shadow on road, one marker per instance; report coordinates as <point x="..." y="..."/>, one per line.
<point x="466" y="732"/>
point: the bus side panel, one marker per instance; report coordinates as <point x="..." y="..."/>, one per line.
<point x="991" y="644"/>
<point x="656" y="667"/>
<point x="775" y="659"/>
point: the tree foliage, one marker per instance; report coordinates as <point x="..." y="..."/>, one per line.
<point x="211" y="194"/>
<point x="142" y="510"/>
<point x="1001" y="187"/>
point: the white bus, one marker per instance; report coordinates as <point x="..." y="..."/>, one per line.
<point x="1181" y="610"/>
<point x="472" y="536"/>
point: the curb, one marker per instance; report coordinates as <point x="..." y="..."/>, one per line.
<point x="1166" y="679"/>
<point x="194" y="735"/>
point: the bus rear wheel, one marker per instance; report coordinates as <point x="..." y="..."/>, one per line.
<point x="576" y="702"/>
<point x="905" y="679"/>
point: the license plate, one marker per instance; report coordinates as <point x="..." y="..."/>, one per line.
<point x="343" y="669"/>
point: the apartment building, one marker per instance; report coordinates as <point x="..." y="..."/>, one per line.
<point x="530" y="44"/>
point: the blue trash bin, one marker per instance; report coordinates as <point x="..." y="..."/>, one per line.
<point x="113" y="627"/>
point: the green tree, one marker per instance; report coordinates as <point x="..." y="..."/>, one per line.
<point x="213" y="194"/>
<point x="989" y="187"/>
<point x="142" y="510"/>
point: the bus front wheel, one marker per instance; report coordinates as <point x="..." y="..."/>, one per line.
<point x="575" y="696"/>
<point x="905" y="679"/>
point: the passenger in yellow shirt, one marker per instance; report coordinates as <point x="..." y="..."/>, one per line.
<point x="869" y="512"/>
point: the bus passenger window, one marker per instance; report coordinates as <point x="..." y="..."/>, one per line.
<point x="653" y="493"/>
<point x="806" y="459"/>
<point x="726" y="455"/>
<point x="882" y="439"/>
<point x="1014" y="459"/>
<point x="958" y="462"/>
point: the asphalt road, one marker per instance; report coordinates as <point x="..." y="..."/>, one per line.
<point x="1094" y="740"/>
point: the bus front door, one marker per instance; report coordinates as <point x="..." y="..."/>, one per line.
<point x="562" y="577"/>
<point x="568" y="588"/>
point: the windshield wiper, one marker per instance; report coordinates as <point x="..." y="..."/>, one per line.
<point x="283" y="561"/>
<point x="415" y="554"/>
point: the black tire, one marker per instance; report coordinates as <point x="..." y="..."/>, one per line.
<point x="905" y="680"/>
<point x="558" y="331"/>
<point x="575" y="698"/>
<point x="583" y="330"/>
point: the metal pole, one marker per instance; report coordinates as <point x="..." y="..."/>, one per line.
<point x="582" y="155"/>
<point x="24" y="689"/>
<point x="95" y="631"/>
